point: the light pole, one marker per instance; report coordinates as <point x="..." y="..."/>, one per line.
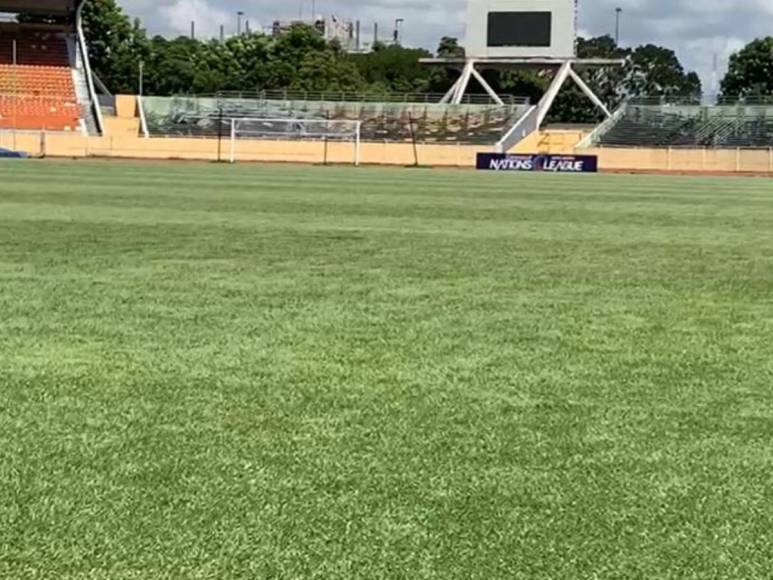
<point x="618" y="12"/>
<point x="239" y="22"/>
<point x="398" y="23"/>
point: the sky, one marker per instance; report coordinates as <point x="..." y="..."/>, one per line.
<point x="697" y="29"/>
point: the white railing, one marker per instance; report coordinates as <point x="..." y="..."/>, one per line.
<point x="593" y="137"/>
<point x="524" y="127"/>
<point x="143" y="119"/>
<point x="85" y="55"/>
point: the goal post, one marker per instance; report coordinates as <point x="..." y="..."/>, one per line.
<point x="319" y="130"/>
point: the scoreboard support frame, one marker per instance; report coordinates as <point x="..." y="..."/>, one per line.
<point x="565" y="70"/>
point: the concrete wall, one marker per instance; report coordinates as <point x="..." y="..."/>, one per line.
<point x="125" y="106"/>
<point x="557" y="142"/>
<point x="699" y="160"/>
<point x="126" y="144"/>
<point x="123" y="141"/>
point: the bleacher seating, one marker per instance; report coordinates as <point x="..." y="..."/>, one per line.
<point x="691" y="125"/>
<point x="51" y="113"/>
<point x="36" y="83"/>
<point x="386" y="121"/>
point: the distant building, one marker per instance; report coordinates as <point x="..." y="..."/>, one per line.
<point x="346" y="32"/>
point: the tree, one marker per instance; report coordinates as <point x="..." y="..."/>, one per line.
<point x="301" y="59"/>
<point x="170" y="65"/>
<point x="656" y="71"/>
<point x="394" y="69"/>
<point x="244" y="61"/>
<point x="116" y="45"/>
<point x="750" y="72"/>
<point x="449" y="48"/>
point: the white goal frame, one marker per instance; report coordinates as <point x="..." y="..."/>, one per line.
<point x="322" y="130"/>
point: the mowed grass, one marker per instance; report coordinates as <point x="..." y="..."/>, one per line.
<point x="297" y="372"/>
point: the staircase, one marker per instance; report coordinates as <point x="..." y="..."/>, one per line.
<point x="82" y="88"/>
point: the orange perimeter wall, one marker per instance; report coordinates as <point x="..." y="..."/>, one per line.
<point x="130" y="146"/>
<point x="122" y="140"/>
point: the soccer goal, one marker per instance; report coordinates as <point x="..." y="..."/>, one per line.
<point x="334" y="135"/>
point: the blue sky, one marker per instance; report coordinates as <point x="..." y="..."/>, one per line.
<point x="696" y="29"/>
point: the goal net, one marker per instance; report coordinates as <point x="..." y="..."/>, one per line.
<point x="339" y="140"/>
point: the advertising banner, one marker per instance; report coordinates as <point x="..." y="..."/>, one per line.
<point x="538" y="162"/>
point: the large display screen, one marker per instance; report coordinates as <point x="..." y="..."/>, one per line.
<point x="519" y="29"/>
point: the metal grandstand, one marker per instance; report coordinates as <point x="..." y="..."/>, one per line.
<point x="402" y="117"/>
<point x="686" y="122"/>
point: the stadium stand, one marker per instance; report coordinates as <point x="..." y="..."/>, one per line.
<point x="411" y="117"/>
<point x="44" y="75"/>
<point x="645" y="123"/>
<point x="34" y="46"/>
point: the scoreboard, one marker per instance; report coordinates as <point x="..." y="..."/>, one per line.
<point x="521" y="28"/>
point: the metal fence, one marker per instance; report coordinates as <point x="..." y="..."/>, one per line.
<point x="338" y="96"/>
<point x="702" y="100"/>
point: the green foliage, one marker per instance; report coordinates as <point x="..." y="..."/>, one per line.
<point x="656" y="71"/>
<point x="171" y="65"/>
<point x="302" y="60"/>
<point x="750" y="72"/>
<point x="116" y="45"/>
<point x="449" y="48"/>
<point x="395" y="69"/>
<point x="299" y="60"/>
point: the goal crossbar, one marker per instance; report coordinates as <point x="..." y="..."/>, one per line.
<point x="296" y="129"/>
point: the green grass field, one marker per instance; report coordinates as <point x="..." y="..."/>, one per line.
<point x="304" y="372"/>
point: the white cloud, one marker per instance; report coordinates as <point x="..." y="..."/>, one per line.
<point x="178" y="16"/>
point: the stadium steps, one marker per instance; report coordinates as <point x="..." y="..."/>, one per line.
<point x="81" y="86"/>
<point x="718" y="126"/>
<point x="426" y="122"/>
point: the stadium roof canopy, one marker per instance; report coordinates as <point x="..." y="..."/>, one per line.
<point x="45" y="7"/>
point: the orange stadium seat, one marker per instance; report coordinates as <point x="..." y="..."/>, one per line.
<point x="37" y="92"/>
<point x="31" y="113"/>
